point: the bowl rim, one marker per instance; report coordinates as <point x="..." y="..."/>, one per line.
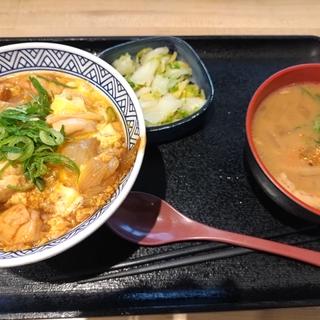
<point x="252" y="108"/>
<point x="31" y="255"/>
<point x="159" y="128"/>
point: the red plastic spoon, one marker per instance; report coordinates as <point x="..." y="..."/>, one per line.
<point x="147" y="220"/>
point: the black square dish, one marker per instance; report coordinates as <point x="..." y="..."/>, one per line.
<point x="200" y="76"/>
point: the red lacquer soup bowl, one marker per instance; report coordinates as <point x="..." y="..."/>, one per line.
<point x="303" y="73"/>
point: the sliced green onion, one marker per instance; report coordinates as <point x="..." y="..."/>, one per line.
<point x="19" y="148"/>
<point x="51" y="137"/>
<point x="11" y="149"/>
<point x="3" y="133"/>
<point x="28" y="147"/>
<point x="20" y="188"/>
<point x="56" y="82"/>
<point x="59" y="159"/>
<point x="13" y="156"/>
<point x="111" y="114"/>
<point x="4" y="167"/>
<point x="43" y="150"/>
<point x="174" y="65"/>
<point x="40" y="184"/>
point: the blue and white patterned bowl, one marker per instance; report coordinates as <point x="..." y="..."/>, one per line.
<point x="55" y="57"/>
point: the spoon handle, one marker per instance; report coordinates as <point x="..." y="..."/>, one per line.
<point x="281" y="249"/>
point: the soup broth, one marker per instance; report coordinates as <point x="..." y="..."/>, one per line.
<point x="62" y="155"/>
<point x="286" y="134"/>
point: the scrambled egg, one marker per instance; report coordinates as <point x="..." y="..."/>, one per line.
<point x="62" y="105"/>
<point x="65" y="199"/>
<point x="107" y="135"/>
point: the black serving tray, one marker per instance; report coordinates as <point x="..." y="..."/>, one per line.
<point x="204" y="175"/>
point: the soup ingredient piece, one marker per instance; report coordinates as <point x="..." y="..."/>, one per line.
<point x="316" y="98"/>
<point x="162" y="84"/>
<point x="313" y="96"/>
<point x="19" y="225"/>
<point x="316" y="125"/>
<point x="27" y="140"/>
<point x="312" y="157"/>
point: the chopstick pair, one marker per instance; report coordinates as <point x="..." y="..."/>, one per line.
<point x="186" y="256"/>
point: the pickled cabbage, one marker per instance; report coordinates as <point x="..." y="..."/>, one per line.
<point x="162" y="83"/>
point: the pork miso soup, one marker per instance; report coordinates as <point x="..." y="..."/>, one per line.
<point x="286" y="134"/>
<point x="62" y="155"/>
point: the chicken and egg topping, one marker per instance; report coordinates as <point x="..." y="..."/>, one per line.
<point x="62" y="154"/>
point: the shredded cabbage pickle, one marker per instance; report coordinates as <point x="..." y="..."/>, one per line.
<point x="162" y="83"/>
